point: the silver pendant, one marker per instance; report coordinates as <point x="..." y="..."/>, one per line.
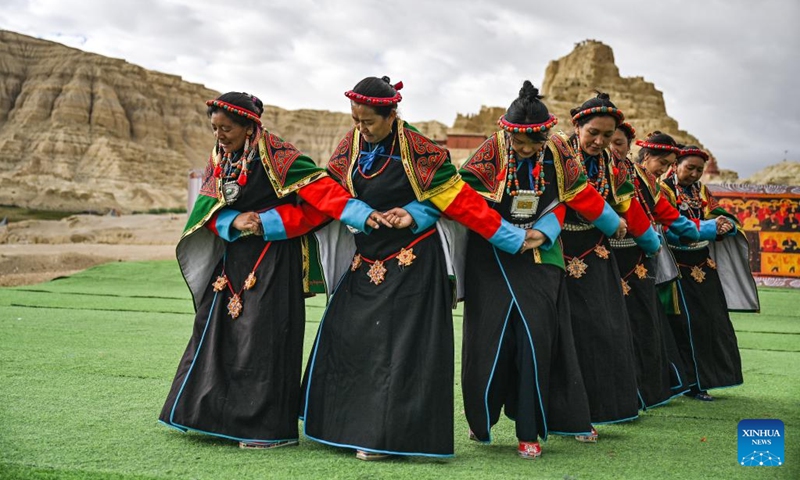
<point x="231" y="192"/>
<point x="684" y="206"/>
<point x="524" y="204"/>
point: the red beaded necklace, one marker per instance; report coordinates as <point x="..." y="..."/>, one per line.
<point x="600" y="183"/>
<point x="692" y="203"/>
<point x="512" y="182"/>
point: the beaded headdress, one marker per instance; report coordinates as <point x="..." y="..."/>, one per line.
<point x="626" y="127"/>
<point x="685" y="152"/>
<point x="658" y="146"/>
<point x="376" y="101"/>
<point x="615" y="112"/>
<point x="235" y="109"/>
<point x="527" y="127"/>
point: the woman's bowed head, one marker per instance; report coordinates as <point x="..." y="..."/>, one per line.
<point x="658" y="152"/>
<point x="235" y="118"/>
<point x="595" y="123"/>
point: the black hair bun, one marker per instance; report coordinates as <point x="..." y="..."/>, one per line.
<point x="386" y="79"/>
<point x="529" y="92"/>
<point x="257" y="103"/>
<point x="602" y="95"/>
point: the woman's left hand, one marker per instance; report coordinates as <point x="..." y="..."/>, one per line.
<point x="399" y="217"/>
<point x="247" y="222"/>
<point x="533" y="239"/>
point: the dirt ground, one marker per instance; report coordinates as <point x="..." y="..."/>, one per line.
<point x="34" y="251"/>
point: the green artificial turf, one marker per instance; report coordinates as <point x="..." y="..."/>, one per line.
<point x="86" y="361"/>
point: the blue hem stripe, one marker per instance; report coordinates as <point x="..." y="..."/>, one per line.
<point x="491" y="374"/>
<point x="174" y="427"/>
<point x="610" y="422"/>
<point x="677" y="375"/>
<point x="691" y="339"/>
<point x="530" y="340"/>
<point x="194" y="360"/>
<point x="373" y="450"/>
<point x="570" y="434"/>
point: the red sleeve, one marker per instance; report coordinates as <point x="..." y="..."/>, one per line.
<point x="588" y="203"/>
<point x="211" y="224"/>
<point x="560" y="212"/>
<point x="468" y="208"/>
<point x="664" y="213"/>
<point x="327" y="196"/>
<point x="637" y="220"/>
<point x="300" y="219"/>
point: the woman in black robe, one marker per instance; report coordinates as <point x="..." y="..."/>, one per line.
<point x="380" y="376"/>
<point x="242" y="257"/>
<point x="700" y="320"/>
<point x="659" y="370"/>
<point x="599" y="318"/>
<point x="518" y="350"/>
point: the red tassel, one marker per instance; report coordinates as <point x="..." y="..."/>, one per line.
<point x="217" y="171"/>
<point x="398" y="86"/>
<point x="242" y="180"/>
<point x="501" y="175"/>
<point x="616" y="171"/>
<point x="537" y="170"/>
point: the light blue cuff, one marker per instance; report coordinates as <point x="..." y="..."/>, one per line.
<point x="708" y="229"/>
<point x="672" y="239"/>
<point x="355" y="214"/>
<point x="685" y="229"/>
<point x="550" y="227"/>
<point x="608" y="221"/>
<point x="648" y="241"/>
<point x="224" y="225"/>
<point x="508" y="238"/>
<point x="423" y="213"/>
<point x="272" y="224"/>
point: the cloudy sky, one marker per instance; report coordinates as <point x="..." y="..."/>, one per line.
<point x="728" y="68"/>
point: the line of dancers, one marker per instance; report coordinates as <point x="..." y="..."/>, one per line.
<point x="595" y="286"/>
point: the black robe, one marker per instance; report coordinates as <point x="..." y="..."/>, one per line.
<point x="601" y="326"/>
<point x="703" y="329"/>
<point x="518" y="349"/>
<point x="240" y="378"/>
<point x="659" y="370"/>
<point x="380" y="375"/>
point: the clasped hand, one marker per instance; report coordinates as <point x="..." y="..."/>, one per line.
<point x="723" y="225"/>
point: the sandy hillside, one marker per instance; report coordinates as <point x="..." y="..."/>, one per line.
<point x="34" y="251"/>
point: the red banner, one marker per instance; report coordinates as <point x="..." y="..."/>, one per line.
<point x="770" y="216"/>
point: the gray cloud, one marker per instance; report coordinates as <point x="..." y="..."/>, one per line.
<point x="726" y="68"/>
